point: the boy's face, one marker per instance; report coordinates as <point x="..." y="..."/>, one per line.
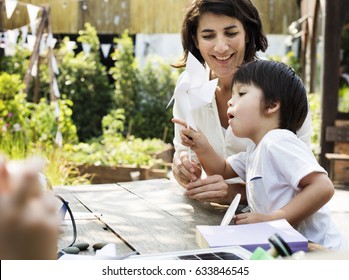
<point x="244" y="111"/>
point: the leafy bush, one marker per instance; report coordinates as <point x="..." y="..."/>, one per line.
<point x="290" y="59"/>
<point x="14" y="114"/>
<point x="157" y="83"/>
<point x="16" y="64"/>
<point x="83" y="79"/>
<point x="113" y="149"/>
<point x="29" y="128"/>
<point x="143" y="93"/>
<point x="44" y="125"/>
<point x="315" y="110"/>
<point x="343" y="100"/>
<point x="126" y="76"/>
<point x="133" y="151"/>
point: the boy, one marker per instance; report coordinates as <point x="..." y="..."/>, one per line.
<point x="283" y="178"/>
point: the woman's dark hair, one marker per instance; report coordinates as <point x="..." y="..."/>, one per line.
<point x="243" y="10"/>
<point x="279" y="83"/>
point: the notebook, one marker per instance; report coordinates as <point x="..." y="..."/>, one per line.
<point x="250" y="236"/>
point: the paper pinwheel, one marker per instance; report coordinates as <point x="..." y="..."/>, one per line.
<point x="194" y="89"/>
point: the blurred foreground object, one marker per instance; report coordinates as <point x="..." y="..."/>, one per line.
<point x="28" y="221"/>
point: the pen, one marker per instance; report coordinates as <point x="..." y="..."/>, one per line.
<point x="231" y="210"/>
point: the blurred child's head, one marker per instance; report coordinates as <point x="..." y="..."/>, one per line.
<point x="279" y="84"/>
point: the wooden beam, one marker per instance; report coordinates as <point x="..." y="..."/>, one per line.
<point x="336" y="13"/>
<point x="313" y="47"/>
<point x="1" y="14"/>
<point x="36" y="50"/>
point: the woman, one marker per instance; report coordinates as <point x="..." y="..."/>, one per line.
<point x="222" y="35"/>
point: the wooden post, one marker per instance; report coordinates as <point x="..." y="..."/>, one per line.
<point x="35" y="54"/>
<point x="336" y="12"/>
<point x="0" y="14"/>
<point x="50" y="57"/>
<point x="2" y="53"/>
<point x="313" y="47"/>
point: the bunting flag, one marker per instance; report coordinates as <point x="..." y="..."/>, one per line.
<point x="117" y="20"/>
<point x="57" y="110"/>
<point x="11" y="37"/>
<point x="10" y="6"/>
<point x="2" y="41"/>
<point x="43" y="47"/>
<point x="71" y="46"/>
<point x="59" y="139"/>
<point x="10" y="49"/>
<point x="33" y="27"/>
<point x="33" y="12"/>
<point x="86" y="48"/>
<point x="105" y="49"/>
<point x="24" y="33"/>
<point x="54" y="65"/>
<point x="51" y="42"/>
<point x="34" y="71"/>
<point x="55" y="88"/>
<point x="31" y="42"/>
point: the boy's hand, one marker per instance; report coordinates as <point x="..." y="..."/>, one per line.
<point x="191" y="138"/>
<point x="251" y="218"/>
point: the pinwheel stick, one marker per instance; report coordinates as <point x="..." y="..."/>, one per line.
<point x="189" y="150"/>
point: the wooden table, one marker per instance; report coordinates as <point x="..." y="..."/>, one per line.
<point x="149" y="216"/>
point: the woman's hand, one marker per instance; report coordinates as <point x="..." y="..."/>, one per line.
<point x="214" y="189"/>
<point x="185" y="171"/>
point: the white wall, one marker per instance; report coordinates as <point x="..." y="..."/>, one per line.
<point x="169" y="46"/>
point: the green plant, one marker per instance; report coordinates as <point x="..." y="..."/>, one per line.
<point x="83" y="79"/>
<point x="290" y="59"/>
<point x="115" y="152"/>
<point x="113" y="149"/>
<point x="126" y="76"/>
<point x="60" y="172"/>
<point x="16" y="64"/>
<point x="157" y="83"/>
<point x="14" y="114"/>
<point x="343" y="100"/>
<point x="315" y="110"/>
<point x="143" y="92"/>
<point x="44" y="124"/>
<point x="113" y="123"/>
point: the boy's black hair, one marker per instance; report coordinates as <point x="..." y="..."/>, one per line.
<point x="279" y="83"/>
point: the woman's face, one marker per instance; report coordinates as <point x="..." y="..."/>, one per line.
<point x="222" y="42"/>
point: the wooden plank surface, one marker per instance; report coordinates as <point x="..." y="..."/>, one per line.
<point x="90" y="229"/>
<point x="150" y="216"/>
<point x="169" y="197"/>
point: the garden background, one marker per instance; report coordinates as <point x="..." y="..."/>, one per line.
<point x="78" y="113"/>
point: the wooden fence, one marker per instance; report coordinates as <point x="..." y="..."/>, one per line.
<point x="138" y="16"/>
